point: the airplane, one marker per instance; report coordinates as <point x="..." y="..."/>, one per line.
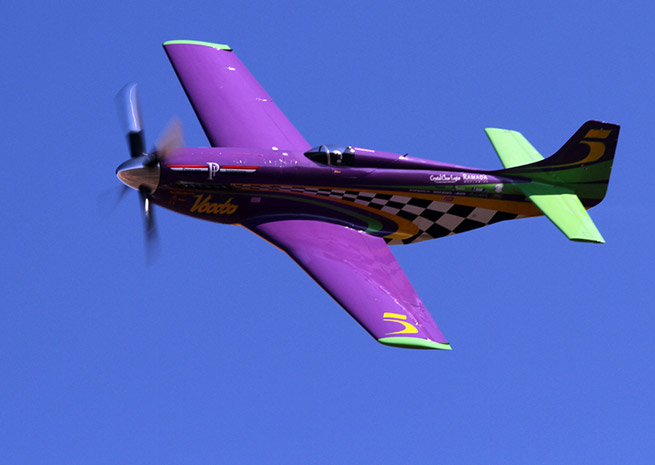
<point x="335" y="210"/>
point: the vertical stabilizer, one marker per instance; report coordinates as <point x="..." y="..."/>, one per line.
<point x="565" y="184"/>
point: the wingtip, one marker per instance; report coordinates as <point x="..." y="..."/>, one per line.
<point x="414" y="343"/>
<point x="599" y="240"/>
<point x="198" y="42"/>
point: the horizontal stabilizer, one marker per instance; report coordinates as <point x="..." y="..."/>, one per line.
<point x="565" y="210"/>
<point x="512" y="148"/>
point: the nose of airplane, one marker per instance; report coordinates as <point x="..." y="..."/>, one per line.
<point x="138" y="172"/>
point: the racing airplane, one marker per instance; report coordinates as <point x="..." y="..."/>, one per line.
<point x="335" y="210"/>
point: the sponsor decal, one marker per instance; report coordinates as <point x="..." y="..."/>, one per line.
<point x="475" y="178"/>
<point x="466" y="178"/>
<point x="408" y="328"/>
<point x="445" y="178"/>
<point x="498" y="188"/>
<point x="203" y="204"/>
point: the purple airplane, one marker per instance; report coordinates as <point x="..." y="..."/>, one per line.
<point x="335" y="210"/>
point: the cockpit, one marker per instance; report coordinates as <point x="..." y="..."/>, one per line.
<point x="333" y="155"/>
<point x="357" y="157"/>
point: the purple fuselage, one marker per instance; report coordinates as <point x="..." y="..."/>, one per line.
<point x="234" y="185"/>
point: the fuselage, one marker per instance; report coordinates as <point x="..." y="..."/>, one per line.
<point x="400" y="198"/>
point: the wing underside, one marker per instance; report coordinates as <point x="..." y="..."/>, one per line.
<point x="360" y="272"/>
<point x="233" y="109"/>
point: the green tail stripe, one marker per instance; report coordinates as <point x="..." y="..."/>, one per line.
<point x="414" y="343"/>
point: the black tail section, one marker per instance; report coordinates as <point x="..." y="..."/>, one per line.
<point x="583" y="164"/>
<point x="595" y="142"/>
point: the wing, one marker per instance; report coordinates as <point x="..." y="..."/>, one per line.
<point x="361" y="274"/>
<point x="233" y="109"/>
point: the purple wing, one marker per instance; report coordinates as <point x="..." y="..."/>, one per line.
<point x="361" y="274"/>
<point x="234" y="110"/>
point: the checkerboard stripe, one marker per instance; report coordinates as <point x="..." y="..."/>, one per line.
<point x="433" y="219"/>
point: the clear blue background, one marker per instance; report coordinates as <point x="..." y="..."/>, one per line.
<point x="224" y="351"/>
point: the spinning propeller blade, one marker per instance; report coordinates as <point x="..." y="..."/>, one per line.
<point x="127" y="101"/>
<point x="141" y="172"/>
<point x="152" y="238"/>
<point x="170" y="139"/>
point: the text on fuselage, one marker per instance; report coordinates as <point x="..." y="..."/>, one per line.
<point x="203" y="204"/>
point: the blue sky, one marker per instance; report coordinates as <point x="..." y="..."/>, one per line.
<point x="224" y="351"/>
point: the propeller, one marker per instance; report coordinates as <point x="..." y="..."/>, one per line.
<point x="141" y="172"/>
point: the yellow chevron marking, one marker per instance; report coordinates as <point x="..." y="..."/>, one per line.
<point x="408" y="328"/>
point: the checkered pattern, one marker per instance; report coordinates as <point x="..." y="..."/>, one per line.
<point x="433" y="219"/>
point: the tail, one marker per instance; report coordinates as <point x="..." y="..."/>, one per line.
<point x="565" y="184"/>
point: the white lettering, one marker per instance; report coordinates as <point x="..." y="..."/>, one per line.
<point x="213" y="169"/>
<point x="444" y="178"/>
<point x="475" y="178"/>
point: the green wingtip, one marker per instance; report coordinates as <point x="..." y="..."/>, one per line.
<point x="197" y="42"/>
<point x="413" y="343"/>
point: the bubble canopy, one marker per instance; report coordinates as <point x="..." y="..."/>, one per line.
<point x="357" y="157"/>
<point x="337" y="155"/>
